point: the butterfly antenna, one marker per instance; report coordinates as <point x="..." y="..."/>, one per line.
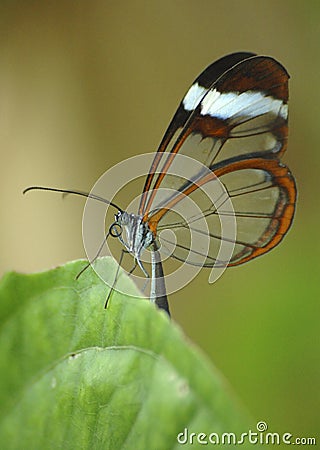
<point x="75" y="192"/>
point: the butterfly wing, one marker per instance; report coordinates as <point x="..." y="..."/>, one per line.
<point x="263" y="194"/>
<point x="238" y="130"/>
<point x="190" y="101"/>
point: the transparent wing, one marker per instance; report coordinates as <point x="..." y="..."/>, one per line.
<point x="242" y="115"/>
<point x="188" y="104"/>
<point x="263" y="196"/>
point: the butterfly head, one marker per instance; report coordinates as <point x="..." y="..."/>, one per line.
<point x="132" y="232"/>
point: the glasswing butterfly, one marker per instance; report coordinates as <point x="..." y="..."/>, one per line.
<point x="233" y="121"/>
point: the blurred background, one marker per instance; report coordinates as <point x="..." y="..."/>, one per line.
<point x="84" y="85"/>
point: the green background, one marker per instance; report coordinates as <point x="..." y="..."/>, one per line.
<point x="84" y="85"/>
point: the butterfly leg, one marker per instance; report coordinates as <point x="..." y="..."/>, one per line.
<point x="115" y="278"/>
<point x="96" y="256"/>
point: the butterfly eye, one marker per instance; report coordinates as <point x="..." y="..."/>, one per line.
<point x="115" y="230"/>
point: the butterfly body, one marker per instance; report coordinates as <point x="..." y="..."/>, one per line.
<point x="134" y="234"/>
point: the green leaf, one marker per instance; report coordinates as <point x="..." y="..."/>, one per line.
<point x="77" y="376"/>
